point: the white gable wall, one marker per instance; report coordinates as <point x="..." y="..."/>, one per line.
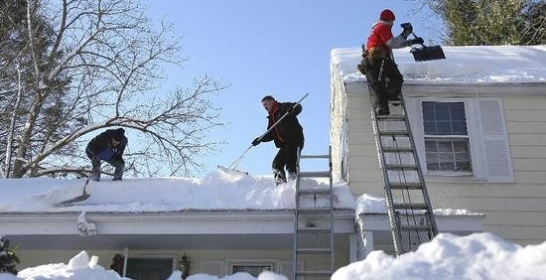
<point x="514" y="209"/>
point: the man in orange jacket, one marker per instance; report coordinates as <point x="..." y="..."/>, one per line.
<point x="379" y="63"/>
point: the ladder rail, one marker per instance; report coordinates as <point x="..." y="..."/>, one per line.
<point x="409" y="207"/>
<point x="324" y="212"/>
<point x="420" y="174"/>
<point x="395" y="230"/>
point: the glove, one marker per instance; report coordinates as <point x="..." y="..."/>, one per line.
<point x="415" y="41"/>
<point x="256" y="141"/>
<point x="408" y="29"/>
<point x="291" y="110"/>
<point x="95" y="160"/>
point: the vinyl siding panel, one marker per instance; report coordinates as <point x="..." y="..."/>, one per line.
<point x="514" y="210"/>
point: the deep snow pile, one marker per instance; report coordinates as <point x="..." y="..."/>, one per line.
<point x="480" y="256"/>
<point x="81" y="267"/>
<point x="217" y="191"/>
<point x="469" y="64"/>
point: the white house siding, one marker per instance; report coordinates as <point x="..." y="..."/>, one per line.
<point x="515" y="210"/>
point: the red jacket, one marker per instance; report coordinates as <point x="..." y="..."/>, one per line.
<point x="381" y="34"/>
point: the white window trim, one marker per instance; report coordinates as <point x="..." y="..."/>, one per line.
<point x="275" y="263"/>
<point x="473" y="122"/>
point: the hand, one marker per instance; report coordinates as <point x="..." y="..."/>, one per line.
<point x="415" y="41"/>
<point x="408" y="29"/>
<point x="291" y="110"/>
<point x="256" y="141"/>
<point x="95" y="160"/>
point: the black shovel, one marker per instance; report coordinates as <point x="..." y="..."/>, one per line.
<point x="425" y="53"/>
<point x="71" y="201"/>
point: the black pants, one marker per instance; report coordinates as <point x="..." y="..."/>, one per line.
<point x="117" y="163"/>
<point x="384" y="84"/>
<point x="286" y="157"/>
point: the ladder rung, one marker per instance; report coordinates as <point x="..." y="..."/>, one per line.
<point x="315" y="156"/>
<point x="404" y="186"/>
<point x="397" y="149"/>
<point x="314" y="230"/>
<point x="418" y="206"/>
<point x="314" y="273"/>
<point x="415" y="227"/>
<point x="314" y="191"/>
<point x="401" y="166"/>
<point x="391" y="118"/>
<point x="394" y="133"/>
<point x="321" y="210"/>
<point x="312" y="251"/>
<point x="315" y="174"/>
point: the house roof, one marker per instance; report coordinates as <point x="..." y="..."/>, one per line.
<point x="216" y="191"/>
<point x="463" y="65"/>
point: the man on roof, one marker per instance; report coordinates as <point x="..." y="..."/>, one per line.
<point x="107" y="146"/>
<point x="378" y="63"/>
<point x="287" y="135"/>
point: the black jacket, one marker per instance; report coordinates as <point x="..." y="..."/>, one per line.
<point x="103" y="141"/>
<point x="288" y="130"/>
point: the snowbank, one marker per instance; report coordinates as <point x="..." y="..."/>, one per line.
<point x="471" y="64"/>
<point x="475" y="257"/>
<point x="217" y="191"/>
<point x="81" y="267"/>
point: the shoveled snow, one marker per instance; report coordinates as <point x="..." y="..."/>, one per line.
<point x="480" y="256"/>
<point x="471" y="64"/>
<point x="475" y="257"/>
<point x="81" y="267"/>
<point x="217" y="191"/>
<point x="370" y="204"/>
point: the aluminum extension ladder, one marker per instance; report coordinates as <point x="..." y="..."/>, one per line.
<point x="408" y="204"/>
<point x="314" y="224"/>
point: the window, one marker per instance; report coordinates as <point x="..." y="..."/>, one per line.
<point x="461" y="139"/>
<point x="446" y="137"/>
<point x="149" y="268"/>
<point x="252" y="268"/>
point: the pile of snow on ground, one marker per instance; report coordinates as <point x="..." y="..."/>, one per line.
<point x="475" y="257"/>
<point x="81" y="267"/>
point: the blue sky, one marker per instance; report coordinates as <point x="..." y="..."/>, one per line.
<point x="279" y="47"/>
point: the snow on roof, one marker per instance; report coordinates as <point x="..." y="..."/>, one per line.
<point x="375" y="205"/>
<point x="478" y="256"/>
<point x="216" y="191"/>
<point x="463" y="65"/>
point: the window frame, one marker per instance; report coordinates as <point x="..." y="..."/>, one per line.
<point x="473" y="123"/>
<point x="274" y="264"/>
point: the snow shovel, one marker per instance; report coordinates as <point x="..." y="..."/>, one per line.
<point x="232" y="167"/>
<point x="425" y="53"/>
<point x="82" y="197"/>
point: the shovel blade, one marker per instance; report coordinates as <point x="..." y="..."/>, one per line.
<point x="232" y="171"/>
<point x="426" y="53"/>
<point x="71" y="201"/>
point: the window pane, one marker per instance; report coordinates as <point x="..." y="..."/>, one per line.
<point x="444" y="118"/>
<point x="447" y="155"/>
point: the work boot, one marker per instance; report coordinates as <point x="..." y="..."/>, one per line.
<point x="279" y="176"/>
<point x="95" y="173"/>
<point x="382" y="110"/>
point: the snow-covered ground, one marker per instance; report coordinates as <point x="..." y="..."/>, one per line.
<point x="464" y="65"/>
<point x="481" y="256"/>
<point x="217" y="191"/>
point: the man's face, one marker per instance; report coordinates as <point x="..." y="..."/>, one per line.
<point x="268" y="105"/>
<point x="115" y="143"/>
